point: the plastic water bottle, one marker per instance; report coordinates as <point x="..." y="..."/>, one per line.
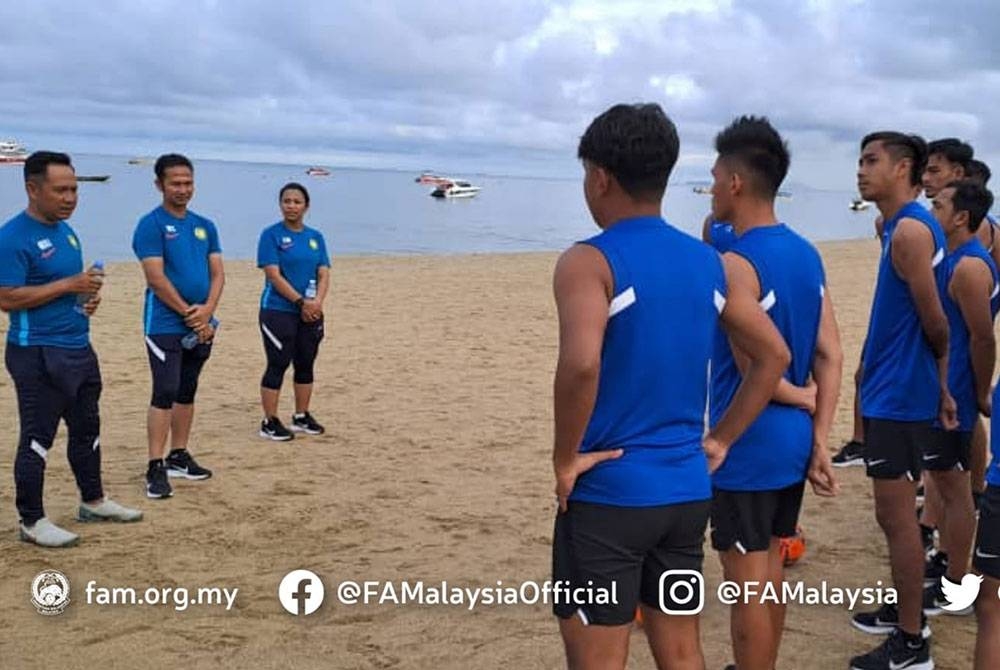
<point x="311" y="290"/>
<point x="83" y="298"/>
<point x="190" y="341"/>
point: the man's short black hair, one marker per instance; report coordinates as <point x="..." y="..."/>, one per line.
<point x="637" y="144"/>
<point x="36" y="166"/>
<point x="978" y="172"/>
<point x="970" y="197"/>
<point x="953" y="149"/>
<point x="753" y="143"/>
<point x="167" y="161"/>
<point x="900" y="146"/>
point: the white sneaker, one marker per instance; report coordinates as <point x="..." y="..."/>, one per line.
<point x="46" y="534"/>
<point x="107" y="510"/>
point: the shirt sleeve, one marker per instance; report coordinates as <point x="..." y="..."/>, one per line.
<point x="14" y="265"/>
<point x="324" y="256"/>
<point x="147" y="241"/>
<point x="214" y="247"/>
<point x="267" y="252"/>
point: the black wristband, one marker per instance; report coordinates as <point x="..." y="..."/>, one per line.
<point x="301" y="301"/>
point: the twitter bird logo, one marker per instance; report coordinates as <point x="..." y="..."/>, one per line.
<point x="960" y="596"/>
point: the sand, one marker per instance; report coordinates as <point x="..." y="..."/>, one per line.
<point x="435" y="385"/>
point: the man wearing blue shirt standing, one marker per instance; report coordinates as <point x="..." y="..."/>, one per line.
<point x="638" y="306"/>
<point x="182" y="262"/>
<point x="55" y="370"/>
<point x="904" y="384"/>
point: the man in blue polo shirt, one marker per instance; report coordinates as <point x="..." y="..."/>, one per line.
<point x="55" y="371"/>
<point x="182" y="261"/>
<point x="638" y="306"/>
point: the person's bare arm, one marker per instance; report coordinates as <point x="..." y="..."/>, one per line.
<point x="280" y="284"/>
<point x="912" y="251"/>
<point x="750" y="329"/>
<point x="582" y="287"/>
<point x="28" y="297"/>
<point x="827" y="370"/>
<point x="970" y="287"/>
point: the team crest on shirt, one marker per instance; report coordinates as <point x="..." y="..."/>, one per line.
<point x="313" y="244"/>
<point x="201" y="233"/>
<point x="286" y="243"/>
<point x="170" y="231"/>
<point x="73" y="241"/>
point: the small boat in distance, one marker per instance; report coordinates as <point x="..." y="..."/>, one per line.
<point x="12" y="152"/>
<point x="703" y="190"/>
<point x="859" y="205"/>
<point x="455" y="188"/>
<point x="783" y="194"/>
<point x="96" y="177"/>
<point x="140" y="161"/>
<point x="318" y="172"/>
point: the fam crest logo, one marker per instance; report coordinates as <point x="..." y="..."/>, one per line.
<point x="201" y="233"/>
<point x="50" y="592"/>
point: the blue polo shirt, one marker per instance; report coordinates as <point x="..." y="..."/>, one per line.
<point x="298" y="255"/>
<point x="184" y="245"/>
<point x="33" y="253"/>
<point x="653" y="387"/>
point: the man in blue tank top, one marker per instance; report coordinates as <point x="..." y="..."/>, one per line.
<point x="971" y="295"/>
<point x="757" y="491"/>
<point x="182" y="262"/>
<point x="904" y="384"/>
<point x="638" y="305"/>
<point x="55" y="370"/>
<point x="986" y="560"/>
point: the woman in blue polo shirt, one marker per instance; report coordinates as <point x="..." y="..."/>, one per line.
<point x="297" y="276"/>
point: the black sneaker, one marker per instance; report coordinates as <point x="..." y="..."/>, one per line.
<point x="273" y="429"/>
<point x="852" y="453"/>
<point x="884" y="620"/>
<point x="927" y="539"/>
<point x="157" y="485"/>
<point x="935" y="568"/>
<point x="895" y="654"/>
<point x="181" y="464"/>
<point x="305" y="423"/>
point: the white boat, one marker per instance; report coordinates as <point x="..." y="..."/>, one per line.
<point x="455" y="188"/>
<point x="12" y="152"/>
<point x="859" y="205"/>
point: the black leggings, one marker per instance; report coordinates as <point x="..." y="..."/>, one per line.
<point x="288" y="340"/>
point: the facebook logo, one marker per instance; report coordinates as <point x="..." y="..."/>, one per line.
<point x="301" y="592"/>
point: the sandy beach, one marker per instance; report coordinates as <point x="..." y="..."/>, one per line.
<point x="434" y="383"/>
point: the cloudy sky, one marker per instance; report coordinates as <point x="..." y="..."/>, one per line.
<point x="501" y="86"/>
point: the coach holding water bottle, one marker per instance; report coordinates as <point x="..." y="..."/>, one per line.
<point x="296" y="267"/>
<point x="55" y="371"/>
<point x="182" y="261"/>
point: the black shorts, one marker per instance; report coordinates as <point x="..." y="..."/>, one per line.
<point x="747" y="520"/>
<point x="175" y="369"/>
<point x="630" y="547"/>
<point x="948" y="450"/>
<point x="986" y="555"/>
<point x="895" y="449"/>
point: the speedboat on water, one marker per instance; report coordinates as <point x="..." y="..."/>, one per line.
<point x="318" y="172"/>
<point x="12" y="152"/>
<point x="455" y="188"/>
<point x="859" y="205"/>
<point x="431" y="179"/>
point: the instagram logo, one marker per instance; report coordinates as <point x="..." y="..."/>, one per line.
<point x="682" y="592"/>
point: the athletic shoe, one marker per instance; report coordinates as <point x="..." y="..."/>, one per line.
<point x="305" y="423"/>
<point x="107" y="510"/>
<point x="157" y="485"/>
<point x="884" y="620"/>
<point x="895" y="654"/>
<point x="852" y="453"/>
<point x="180" y="463"/>
<point x="935" y="568"/>
<point x="935" y="600"/>
<point x="927" y="539"/>
<point x="44" y="533"/>
<point x="273" y="429"/>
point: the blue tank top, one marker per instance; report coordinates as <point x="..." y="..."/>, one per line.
<point x="961" y="380"/>
<point x="721" y="235"/>
<point x="774" y="451"/>
<point x="900" y="380"/>
<point x="669" y="289"/>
